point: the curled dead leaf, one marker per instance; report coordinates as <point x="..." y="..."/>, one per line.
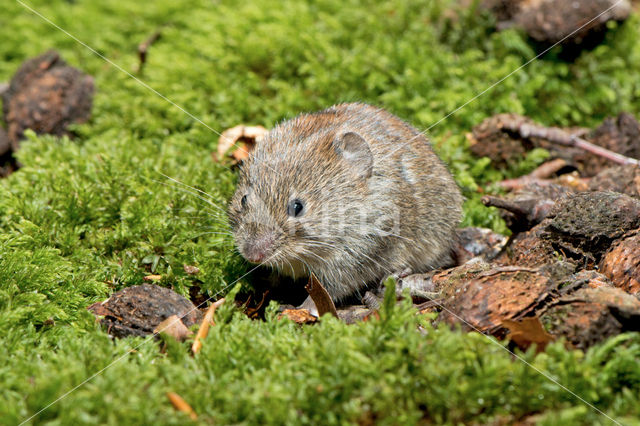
<point x="174" y="327"/>
<point x="244" y="138"/>
<point x="320" y="297"/>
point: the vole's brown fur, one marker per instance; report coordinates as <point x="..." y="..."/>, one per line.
<point x="376" y="199"/>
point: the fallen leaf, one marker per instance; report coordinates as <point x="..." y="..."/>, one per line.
<point x="248" y="135"/>
<point x="181" y="405"/>
<point x="320" y="297"/>
<point x="528" y="331"/>
<point x="299" y="316"/>
<point x="204" y="327"/>
<point x="174" y="327"/>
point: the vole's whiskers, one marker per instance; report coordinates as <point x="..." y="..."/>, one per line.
<point x="386" y="233"/>
<point x="195" y="194"/>
<point x="188" y="186"/>
<point x="229" y="234"/>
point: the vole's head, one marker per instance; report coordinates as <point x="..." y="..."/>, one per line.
<point x="303" y="189"/>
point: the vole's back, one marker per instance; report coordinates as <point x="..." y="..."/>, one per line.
<point x="375" y="199"/>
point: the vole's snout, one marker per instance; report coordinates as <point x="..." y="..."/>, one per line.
<point x="258" y="249"/>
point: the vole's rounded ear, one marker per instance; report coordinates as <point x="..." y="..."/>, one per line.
<point x="355" y="150"/>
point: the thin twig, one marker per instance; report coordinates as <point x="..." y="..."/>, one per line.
<point x="204" y="327"/>
<point x="561" y="137"/>
<point x="143" y="49"/>
<point x="539" y="175"/>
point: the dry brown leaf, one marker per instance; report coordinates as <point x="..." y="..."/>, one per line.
<point x="528" y="331"/>
<point x="320" y="297"/>
<point x="299" y="316"/>
<point x="247" y="135"/>
<point x="181" y="405"/>
<point x="174" y="327"/>
<point x="204" y="327"/>
<point x="153" y="277"/>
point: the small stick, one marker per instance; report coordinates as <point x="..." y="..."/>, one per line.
<point x="561" y="137"/>
<point x="181" y="405"/>
<point x="320" y="297"/>
<point x="539" y="175"/>
<point x="204" y="326"/>
<point x="514" y="207"/>
<point x="143" y="48"/>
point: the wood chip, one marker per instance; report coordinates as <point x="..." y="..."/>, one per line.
<point x="204" y="327"/>
<point x="181" y="405"/>
<point x="153" y="277"/>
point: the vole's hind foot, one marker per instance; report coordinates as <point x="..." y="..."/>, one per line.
<point x="398" y="276"/>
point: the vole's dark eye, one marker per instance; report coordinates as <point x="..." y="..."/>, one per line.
<point x="243" y="201"/>
<point x="295" y="207"/>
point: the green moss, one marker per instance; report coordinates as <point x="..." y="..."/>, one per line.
<point x="87" y="216"/>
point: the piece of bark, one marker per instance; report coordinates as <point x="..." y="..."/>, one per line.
<point x="5" y="144"/>
<point x="503" y="10"/>
<point x="46" y="95"/>
<point x="446" y="283"/>
<point x="569" y="22"/>
<point x="585" y="224"/>
<point x="621" y="264"/>
<point x="203" y="331"/>
<point x="623" y="179"/>
<point x="137" y="310"/>
<point x="320" y="297"/>
<point x="504" y="293"/>
<point x="529" y="249"/>
<point x="8" y="163"/>
<point x="590" y="315"/>
<point x="488" y="139"/>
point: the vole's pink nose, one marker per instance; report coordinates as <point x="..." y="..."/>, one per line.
<point x="259" y="249"/>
